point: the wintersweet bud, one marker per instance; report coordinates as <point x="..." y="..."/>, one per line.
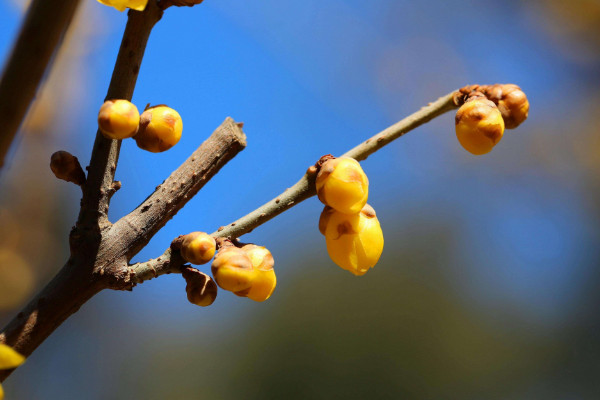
<point x="160" y="129"/>
<point x="354" y="241"/>
<point x="198" y="248"/>
<point x="201" y="289"/>
<point x="9" y="359"/>
<point x="121" y="5"/>
<point x="232" y="269"/>
<point x="512" y="103"/>
<point x="118" y="119"/>
<point x="342" y="184"/>
<point x="65" y="166"/>
<point x="479" y="125"/>
<point x="264" y="281"/>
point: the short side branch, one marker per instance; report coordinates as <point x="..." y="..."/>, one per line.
<point x="45" y="24"/>
<point x="132" y="232"/>
<point x="171" y="261"/>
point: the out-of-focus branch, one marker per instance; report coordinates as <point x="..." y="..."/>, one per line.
<point x="44" y="25"/>
<point x="170" y="261"/>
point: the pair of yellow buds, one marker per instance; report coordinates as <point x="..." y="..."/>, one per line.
<point x="352" y="232"/>
<point x="481" y="120"/>
<point x="246" y="271"/>
<point x="157" y="129"/>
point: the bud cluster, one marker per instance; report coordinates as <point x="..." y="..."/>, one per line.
<point x="485" y="112"/>
<point x="352" y="232"/>
<point x="246" y="270"/>
<point x="157" y="129"/>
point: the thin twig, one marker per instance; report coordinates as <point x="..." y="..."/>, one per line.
<point x="45" y="23"/>
<point x="171" y="261"/>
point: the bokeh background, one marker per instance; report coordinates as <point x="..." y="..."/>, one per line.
<point x="488" y="284"/>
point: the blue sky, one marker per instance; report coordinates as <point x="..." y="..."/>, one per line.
<point x="310" y="78"/>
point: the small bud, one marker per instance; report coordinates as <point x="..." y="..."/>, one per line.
<point x="512" y="103"/>
<point x="232" y="269"/>
<point x="160" y="129"/>
<point x="342" y="184"/>
<point x="264" y="281"/>
<point x="201" y="289"/>
<point x="66" y="166"/>
<point x="198" y="248"/>
<point x="479" y="126"/>
<point x="354" y="241"/>
<point x="118" y="119"/>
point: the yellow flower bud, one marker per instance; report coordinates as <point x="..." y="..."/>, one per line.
<point x="160" y="129"/>
<point x="198" y="248"/>
<point x="265" y="280"/>
<point x="9" y="358"/>
<point x="232" y="269"/>
<point x="342" y="184"/>
<point x="479" y="126"/>
<point x="354" y="241"/>
<point x="121" y="5"/>
<point x="201" y="289"/>
<point x="118" y="119"/>
<point x="512" y="103"/>
<point x="66" y="166"/>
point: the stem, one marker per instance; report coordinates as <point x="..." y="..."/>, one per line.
<point x="103" y="165"/>
<point x="171" y="261"/>
<point x="45" y="24"/>
<point x="305" y="187"/>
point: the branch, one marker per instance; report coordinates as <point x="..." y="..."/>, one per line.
<point x="171" y="261"/>
<point x="103" y="165"/>
<point x="132" y="232"/>
<point x="83" y="275"/>
<point x="45" y="24"/>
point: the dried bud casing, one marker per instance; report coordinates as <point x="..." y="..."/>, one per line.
<point x="66" y="166"/>
<point x="118" y="119"/>
<point x="201" y="289"/>
<point x="264" y="281"/>
<point x="198" y="248"/>
<point x="479" y="126"/>
<point x="232" y="269"/>
<point x="512" y="103"/>
<point x="160" y="129"/>
<point x="342" y="184"/>
<point x="354" y="241"/>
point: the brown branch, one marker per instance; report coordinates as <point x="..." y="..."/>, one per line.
<point x="84" y="274"/>
<point x="103" y="165"/>
<point x="170" y="261"/>
<point x="45" y="24"/>
<point x="132" y="232"/>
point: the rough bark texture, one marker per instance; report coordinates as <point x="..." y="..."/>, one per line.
<point x="45" y="24"/>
